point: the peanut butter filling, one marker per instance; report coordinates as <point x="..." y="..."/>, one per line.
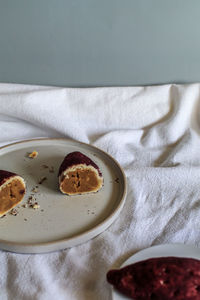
<point x="11" y="195"/>
<point x="80" y="181"/>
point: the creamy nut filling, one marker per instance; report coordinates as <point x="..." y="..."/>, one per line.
<point x="81" y="180"/>
<point x="11" y="194"/>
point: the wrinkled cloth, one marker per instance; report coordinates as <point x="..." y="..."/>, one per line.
<point x="154" y="133"/>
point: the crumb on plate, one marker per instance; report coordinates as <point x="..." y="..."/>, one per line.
<point x="33" y="154"/>
<point x="45" y="167"/>
<point x="14" y="212"/>
<point x="34" y="189"/>
<point x="51" y="169"/>
<point x="42" y="180"/>
<point x="35" y="206"/>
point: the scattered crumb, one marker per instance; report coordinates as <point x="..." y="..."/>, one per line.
<point x="42" y="180"/>
<point x="24" y="205"/>
<point x="3" y="216"/>
<point x="89" y="212"/>
<point x="14" y="212"/>
<point x="34" y="189"/>
<point x="36" y="205"/>
<point x="33" y="154"/>
<point x="30" y="200"/>
<point x="51" y="170"/>
<point x="45" y="167"/>
<point x="117" y="180"/>
<point x="42" y="210"/>
<point x="25" y="219"/>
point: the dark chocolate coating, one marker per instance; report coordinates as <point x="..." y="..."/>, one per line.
<point x="166" y="278"/>
<point x="5" y="175"/>
<point x="76" y="158"/>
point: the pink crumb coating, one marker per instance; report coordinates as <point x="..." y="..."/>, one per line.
<point x="166" y="278"/>
<point x="76" y="158"/>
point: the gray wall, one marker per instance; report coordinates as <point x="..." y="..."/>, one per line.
<point x="99" y="42"/>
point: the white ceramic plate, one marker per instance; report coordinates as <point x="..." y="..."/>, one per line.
<point x="61" y="221"/>
<point x="177" y="250"/>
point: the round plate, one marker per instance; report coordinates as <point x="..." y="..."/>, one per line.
<point x="177" y="250"/>
<point x="61" y="221"/>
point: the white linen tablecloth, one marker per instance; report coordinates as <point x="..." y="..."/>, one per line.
<point x="154" y="133"/>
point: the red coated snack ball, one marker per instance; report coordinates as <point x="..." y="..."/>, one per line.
<point x="163" y="278"/>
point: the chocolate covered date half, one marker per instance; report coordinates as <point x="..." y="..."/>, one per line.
<point x="78" y="174"/>
<point x="163" y="278"/>
<point x="12" y="190"/>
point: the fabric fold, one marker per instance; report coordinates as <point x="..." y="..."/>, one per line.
<point x="154" y="133"/>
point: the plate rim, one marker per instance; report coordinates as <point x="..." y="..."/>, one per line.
<point x="53" y="245"/>
<point x="172" y="245"/>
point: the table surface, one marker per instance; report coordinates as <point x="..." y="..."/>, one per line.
<point x="99" y="43"/>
